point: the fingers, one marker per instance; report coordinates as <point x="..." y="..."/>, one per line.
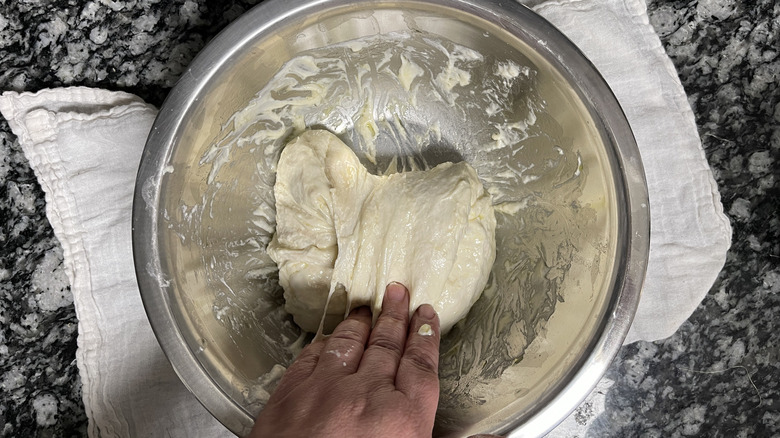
<point x="387" y="340"/>
<point x="339" y="353"/>
<point x="300" y="369"/>
<point x="418" y="370"/>
<point x="344" y="347"/>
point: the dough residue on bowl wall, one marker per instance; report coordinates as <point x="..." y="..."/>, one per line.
<point x="409" y="102"/>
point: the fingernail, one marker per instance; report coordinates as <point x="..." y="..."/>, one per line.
<point x="395" y="292"/>
<point x="361" y="311"/>
<point x="426" y="311"/>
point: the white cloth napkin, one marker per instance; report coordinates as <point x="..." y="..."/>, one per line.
<point x="690" y="234"/>
<point x="85" y="144"/>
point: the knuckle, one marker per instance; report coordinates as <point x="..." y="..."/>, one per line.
<point x="387" y="344"/>
<point x="422" y="360"/>
<point x="393" y="317"/>
<point x="391" y="324"/>
<point x="309" y="356"/>
<point x="306" y="360"/>
<point x="349" y="331"/>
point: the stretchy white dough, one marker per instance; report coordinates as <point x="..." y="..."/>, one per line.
<point x="343" y="231"/>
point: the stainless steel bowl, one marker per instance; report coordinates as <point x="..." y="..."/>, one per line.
<point x="551" y="145"/>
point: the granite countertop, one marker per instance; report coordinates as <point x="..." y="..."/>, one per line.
<point x="717" y="376"/>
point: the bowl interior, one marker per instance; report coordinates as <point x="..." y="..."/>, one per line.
<point x="486" y="90"/>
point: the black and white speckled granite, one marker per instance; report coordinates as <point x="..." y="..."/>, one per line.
<point x="718" y="376"/>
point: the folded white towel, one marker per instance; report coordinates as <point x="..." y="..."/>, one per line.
<point x="85" y="144"/>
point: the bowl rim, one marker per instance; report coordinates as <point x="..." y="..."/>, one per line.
<point x="523" y="24"/>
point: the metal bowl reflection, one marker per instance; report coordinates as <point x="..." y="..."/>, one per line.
<point x="548" y="139"/>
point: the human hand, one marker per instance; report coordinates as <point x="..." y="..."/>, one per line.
<point x="362" y="382"/>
